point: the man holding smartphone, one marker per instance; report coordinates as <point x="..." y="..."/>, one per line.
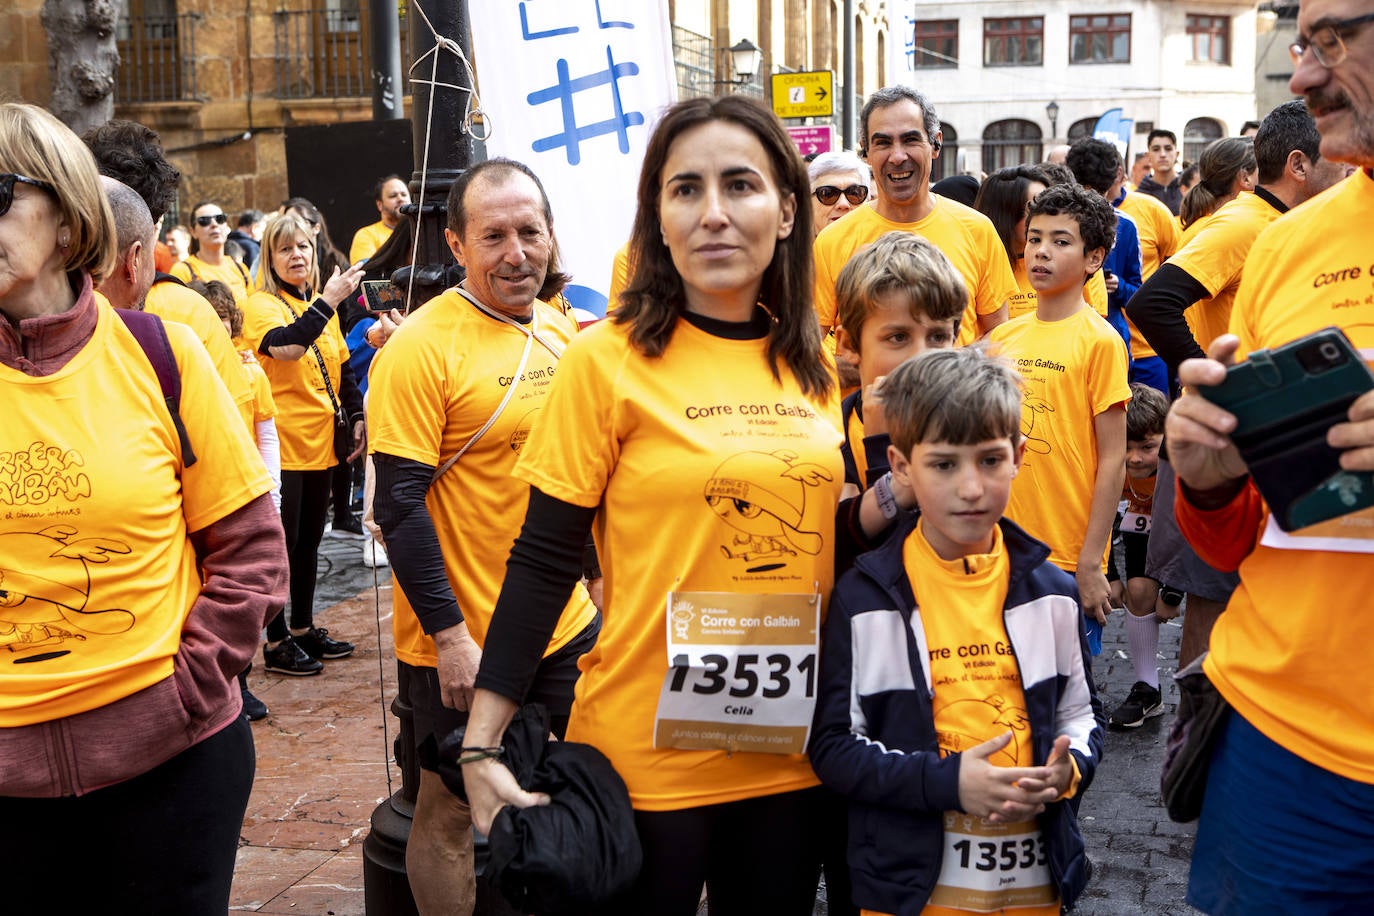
<point x="1301" y="736"/>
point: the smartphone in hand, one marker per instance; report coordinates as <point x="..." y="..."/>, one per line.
<point x="1284" y="400"/>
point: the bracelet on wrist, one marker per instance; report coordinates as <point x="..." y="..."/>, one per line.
<point x="882" y="491"/>
<point x="474" y="754"/>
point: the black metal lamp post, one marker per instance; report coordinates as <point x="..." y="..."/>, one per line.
<point x="1052" y="112"/>
<point x="443" y="150"/>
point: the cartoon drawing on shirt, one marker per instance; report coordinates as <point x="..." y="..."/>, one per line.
<point x="45" y="585"/>
<point x="984" y="719"/>
<point x="1031" y="407"/>
<point x="762" y="495"/>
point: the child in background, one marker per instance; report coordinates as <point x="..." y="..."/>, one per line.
<point x="1074" y="413"/>
<point x="1144" y="433"/>
<point x="959" y="751"/>
<point x="898" y="297"/>
<point x="263" y="430"/>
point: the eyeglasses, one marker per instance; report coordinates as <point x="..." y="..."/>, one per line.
<point x="1325" y="43"/>
<point x="205" y="221"/>
<point x="7" y="183"/>
<point x="829" y="195"/>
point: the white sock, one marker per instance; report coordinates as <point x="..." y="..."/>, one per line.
<point x="1142" y="635"/>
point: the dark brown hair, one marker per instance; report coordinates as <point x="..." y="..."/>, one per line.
<point x="654" y="296"/>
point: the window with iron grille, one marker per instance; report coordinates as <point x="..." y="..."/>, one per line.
<point x="937" y="43"/>
<point x="1018" y="42"/>
<point x="1100" y="39"/>
<point x="1210" y="37"/>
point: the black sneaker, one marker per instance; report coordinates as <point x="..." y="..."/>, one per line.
<point x="290" y="658"/>
<point x="347" y="528"/>
<point x="317" y="644"/>
<point x="1140" y="704"/>
<point x="253" y="708"/>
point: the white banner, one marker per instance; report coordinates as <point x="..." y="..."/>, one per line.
<point x="901" y="55"/>
<point x="573" y="89"/>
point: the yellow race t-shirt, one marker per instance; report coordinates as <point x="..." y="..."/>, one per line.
<point x="97" y="572"/>
<point x="367" y="240"/>
<point x="962" y="234"/>
<point x="229" y="272"/>
<point x="438" y="380"/>
<point x="305" y="413"/>
<point x="1215" y="256"/>
<point x="1074" y="369"/>
<point x="1286" y="652"/>
<point x="174" y="302"/>
<point x="620" y="277"/>
<point x="976" y="695"/>
<point x="1158" y="231"/>
<point x="264" y="408"/>
<point x="709" y="475"/>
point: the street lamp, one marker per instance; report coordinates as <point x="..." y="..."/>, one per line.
<point x="1052" y="112"/>
<point x="745" y="59"/>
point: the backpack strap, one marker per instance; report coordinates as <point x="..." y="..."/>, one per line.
<point x="192" y="268"/>
<point x="161" y="277"/>
<point x="152" y="339"/>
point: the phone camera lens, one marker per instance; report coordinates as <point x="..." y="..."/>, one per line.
<point x="1330" y="352"/>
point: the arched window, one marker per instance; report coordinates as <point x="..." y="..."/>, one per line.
<point x="1081" y="128"/>
<point x="859" y="58"/>
<point x="1196" y="136"/>
<point x="948" y="163"/>
<point x="1011" y="142"/>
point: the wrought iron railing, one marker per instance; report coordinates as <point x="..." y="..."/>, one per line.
<point x="157" y="58"/>
<point x="323" y="53"/>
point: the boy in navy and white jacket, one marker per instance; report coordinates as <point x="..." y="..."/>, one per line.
<point x="957" y="713"/>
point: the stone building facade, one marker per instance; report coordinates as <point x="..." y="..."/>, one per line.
<point x="222" y="84"/>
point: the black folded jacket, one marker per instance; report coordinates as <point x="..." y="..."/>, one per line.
<point x="575" y="854"/>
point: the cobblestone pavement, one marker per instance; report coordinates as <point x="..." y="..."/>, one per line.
<point x="321" y="770"/>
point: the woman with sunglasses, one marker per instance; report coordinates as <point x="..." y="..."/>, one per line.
<point x="291" y="324"/>
<point x="135" y="573"/>
<point x="208" y="260"/>
<point x="839" y="183"/>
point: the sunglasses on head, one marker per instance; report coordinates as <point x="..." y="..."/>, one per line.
<point x="829" y="195"/>
<point x="205" y="221"/>
<point x="7" y="183"/>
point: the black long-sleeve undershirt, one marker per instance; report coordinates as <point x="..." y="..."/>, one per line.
<point x="544" y="566"/>
<point x="411" y="541"/>
<point x="1157" y="309"/>
<point x="305" y="329"/>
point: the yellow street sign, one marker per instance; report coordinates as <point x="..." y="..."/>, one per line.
<point x="804" y="95"/>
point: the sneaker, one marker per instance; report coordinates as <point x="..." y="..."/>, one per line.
<point x="374" y="554"/>
<point x="290" y="658"/>
<point x="1140" y="704"/>
<point x="253" y="708"/>
<point x="315" y="642"/>
<point x="350" y="528"/>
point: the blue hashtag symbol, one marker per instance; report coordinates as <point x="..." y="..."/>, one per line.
<point x="566" y="88"/>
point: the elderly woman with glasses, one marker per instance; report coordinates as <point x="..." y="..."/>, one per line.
<point x="208" y="260"/>
<point x="839" y="183"/>
<point x="139" y="557"/>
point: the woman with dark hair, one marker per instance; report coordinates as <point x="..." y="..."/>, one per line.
<point x="1225" y="168"/>
<point x="208" y="259"/>
<point x="290" y="323"/>
<point x="692" y="434"/>
<point x="1003" y="199"/>
<point x="140" y="559"/>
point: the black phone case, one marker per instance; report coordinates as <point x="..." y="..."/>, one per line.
<point x="1284" y="404"/>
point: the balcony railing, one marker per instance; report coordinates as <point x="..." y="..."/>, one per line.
<point x="694" y="58"/>
<point x="324" y="53"/>
<point x="157" y="58"/>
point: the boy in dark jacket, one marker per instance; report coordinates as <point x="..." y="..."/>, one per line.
<point x="957" y="712"/>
